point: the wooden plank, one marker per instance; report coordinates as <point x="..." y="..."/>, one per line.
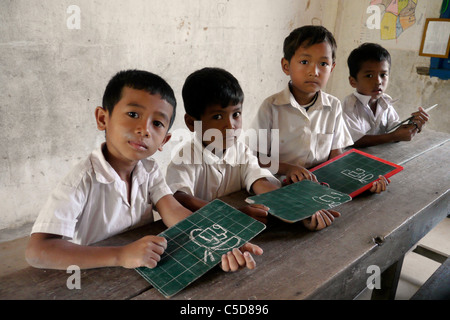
<point x="437" y="287"/>
<point x="332" y="263"/>
<point x="101" y="283"/>
<point x="404" y="151"/>
<point x="296" y="264"/>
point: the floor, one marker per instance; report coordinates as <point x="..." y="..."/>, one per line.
<point x="415" y="271"/>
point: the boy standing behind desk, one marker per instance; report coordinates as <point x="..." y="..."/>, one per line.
<point x="116" y="187"/>
<point x="213" y="102"/>
<point x="368" y="112"/>
<point x="310" y="122"/>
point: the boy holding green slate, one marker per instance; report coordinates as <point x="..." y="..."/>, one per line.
<point x="214" y="162"/>
<point x="116" y="187"/>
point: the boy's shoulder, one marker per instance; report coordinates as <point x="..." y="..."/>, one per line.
<point x="279" y="98"/>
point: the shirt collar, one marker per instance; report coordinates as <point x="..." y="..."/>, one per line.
<point x="105" y="173"/>
<point x="383" y="101"/>
<point x="285" y="97"/>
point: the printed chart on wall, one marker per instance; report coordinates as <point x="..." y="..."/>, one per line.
<point x="396" y="24"/>
<point x="196" y="244"/>
<point x="341" y="179"/>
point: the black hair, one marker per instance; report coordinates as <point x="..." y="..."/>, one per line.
<point x="366" y="52"/>
<point x="308" y="36"/>
<point x="210" y="86"/>
<point x="139" y="80"/>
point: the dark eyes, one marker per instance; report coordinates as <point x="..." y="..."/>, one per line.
<point x="220" y="117"/>
<point x="135" y="115"/>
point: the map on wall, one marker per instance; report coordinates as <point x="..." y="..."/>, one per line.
<point x="398" y="16"/>
<point x="394" y="23"/>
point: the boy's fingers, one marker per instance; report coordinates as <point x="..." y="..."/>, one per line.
<point x="225" y="264"/>
<point x="249" y="261"/>
<point x="260" y="206"/>
<point x="253" y="248"/>
<point x="238" y="256"/>
<point x="232" y="261"/>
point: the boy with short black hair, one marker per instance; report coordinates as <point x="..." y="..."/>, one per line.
<point x="369" y="112"/>
<point x="310" y="122"/>
<point x="116" y="187"/>
<point x="213" y="102"/>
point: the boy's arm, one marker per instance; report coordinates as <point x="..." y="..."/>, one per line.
<point x="50" y="251"/>
<point x="403" y="133"/>
<point x="171" y="211"/>
<point x="190" y="202"/>
<point x="292" y="172"/>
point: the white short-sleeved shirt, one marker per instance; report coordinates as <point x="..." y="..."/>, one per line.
<point x="91" y="203"/>
<point x="305" y="138"/>
<point x="210" y="176"/>
<point x="360" y="119"/>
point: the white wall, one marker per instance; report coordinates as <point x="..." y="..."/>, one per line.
<point x="52" y="77"/>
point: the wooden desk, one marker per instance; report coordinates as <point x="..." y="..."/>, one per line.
<point x="296" y="264"/>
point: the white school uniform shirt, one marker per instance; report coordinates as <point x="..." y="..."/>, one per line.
<point x="91" y="203"/>
<point x="360" y="119"/>
<point x="305" y="138"/>
<point x="210" y="176"/>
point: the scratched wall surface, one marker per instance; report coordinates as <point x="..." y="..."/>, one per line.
<point x="52" y="77"/>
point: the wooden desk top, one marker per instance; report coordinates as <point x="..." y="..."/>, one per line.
<point x="296" y="264"/>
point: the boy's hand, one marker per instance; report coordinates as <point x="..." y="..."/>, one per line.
<point x="320" y="220"/>
<point x="420" y="117"/>
<point x="298" y="173"/>
<point x="405" y="132"/>
<point x="144" y="252"/>
<point x="233" y="260"/>
<point x="256" y="211"/>
<point x="380" y="185"/>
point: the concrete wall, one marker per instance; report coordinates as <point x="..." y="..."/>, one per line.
<point x="52" y="77"/>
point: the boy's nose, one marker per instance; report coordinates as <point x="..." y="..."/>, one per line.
<point x="142" y="129"/>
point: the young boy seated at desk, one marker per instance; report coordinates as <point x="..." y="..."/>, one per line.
<point x="309" y="121"/>
<point x="115" y="188"/>
<point x="368" y="112"/>
<point x="214" y="162"/>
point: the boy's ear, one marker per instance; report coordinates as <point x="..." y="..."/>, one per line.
<point x="332" y="67"/>
<point x="166" y="139"/>
<point x="189" y="120"/>
<point x="352" y="81"/>
<point x="285" y="66"/>
<point x="100" y="116"/>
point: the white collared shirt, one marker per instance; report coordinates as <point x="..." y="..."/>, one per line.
<point x="360" y="119"/>
<point x="305" y="138"/>
<point x="209" y="176"/>
<point x="91" y="203"/>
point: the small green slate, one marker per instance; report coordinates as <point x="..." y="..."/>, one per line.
<point x="300" y="200"/>
<point x="197" y="243"/>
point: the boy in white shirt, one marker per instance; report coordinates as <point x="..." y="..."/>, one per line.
<point x="116" y="187"/>
<point x="214" y="162"/>
<point x="368" y="112"/>
<point x="310" y="122"/>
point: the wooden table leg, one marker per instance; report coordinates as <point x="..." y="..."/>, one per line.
<point x="389" y="282"/>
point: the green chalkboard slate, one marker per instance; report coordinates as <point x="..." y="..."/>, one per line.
<point x="354" y="171"/>
<point x="196" y="244"/>
<point x="300" y="200"/>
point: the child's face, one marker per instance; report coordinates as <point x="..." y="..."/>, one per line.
<point x="137" y="127"/>
<point x="309" y="70"/>
<point x="226" y="121"/>
<point x="372" y="78"/>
